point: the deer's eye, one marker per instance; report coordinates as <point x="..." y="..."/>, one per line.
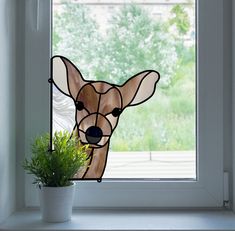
<point x="79" y="105"/>
<point x="116" y="112"/>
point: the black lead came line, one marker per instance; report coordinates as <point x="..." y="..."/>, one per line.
<point x="97" y="111"/>
<point x="50" y="81"/>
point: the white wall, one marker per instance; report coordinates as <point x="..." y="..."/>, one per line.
<point x="7" y="107"/>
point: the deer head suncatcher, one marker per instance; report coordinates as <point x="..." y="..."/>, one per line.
<point x="98" y="107"/>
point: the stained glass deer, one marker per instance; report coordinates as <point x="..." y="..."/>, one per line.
<point x="98" y="107"/>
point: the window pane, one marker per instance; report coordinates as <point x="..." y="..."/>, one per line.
<point x="112" y="41"/>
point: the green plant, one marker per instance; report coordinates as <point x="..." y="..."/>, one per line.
<point x="56" y="168"/>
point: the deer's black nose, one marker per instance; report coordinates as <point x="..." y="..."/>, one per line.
<point x="93" y="135"/>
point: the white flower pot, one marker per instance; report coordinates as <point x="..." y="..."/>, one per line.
<point x="56" y="203"/>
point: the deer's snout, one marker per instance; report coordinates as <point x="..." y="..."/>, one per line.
<point x="93" y="134"/>
<point x="94" y="129"/>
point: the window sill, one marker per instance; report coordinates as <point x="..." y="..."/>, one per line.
<point x="126" y="220"/>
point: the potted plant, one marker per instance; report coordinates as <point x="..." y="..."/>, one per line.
<point x="53" y="171"/>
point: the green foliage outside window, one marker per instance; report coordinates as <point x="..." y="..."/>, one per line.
<point x="135" y="42"/>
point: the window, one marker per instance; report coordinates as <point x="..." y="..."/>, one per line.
<point x="207" y="189"/>
<point x="113" y="40"/>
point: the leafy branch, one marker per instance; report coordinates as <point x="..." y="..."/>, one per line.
<point x="56" y="168"/>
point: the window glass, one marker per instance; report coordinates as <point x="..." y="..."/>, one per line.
<point x="112" y="41"/>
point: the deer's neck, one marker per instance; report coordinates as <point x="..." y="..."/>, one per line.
<point x="97" y="162"/>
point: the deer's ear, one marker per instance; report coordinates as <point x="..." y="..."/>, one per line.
<point x="66" y="77"/>
<point x="139" y="88"/>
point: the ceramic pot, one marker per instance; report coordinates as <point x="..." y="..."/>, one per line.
<point x="56" y="203"/>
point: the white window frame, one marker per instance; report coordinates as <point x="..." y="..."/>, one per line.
<point x="207" y="190"/>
